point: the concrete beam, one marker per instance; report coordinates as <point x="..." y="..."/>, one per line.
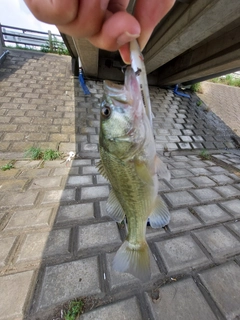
<point x="189" y="25"/>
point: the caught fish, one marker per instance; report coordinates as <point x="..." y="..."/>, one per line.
<point x="130" y="163"/>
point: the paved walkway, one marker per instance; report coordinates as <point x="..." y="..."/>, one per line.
<point x="56" y="241"/>
<point x="224" y="101"/>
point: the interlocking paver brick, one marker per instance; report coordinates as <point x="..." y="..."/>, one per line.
<point x="98" y="235"/>
<point x="79" y="180"/>
<point x="202" y="181"/>
<point x="47" y="182"/>
<point x="211" y="213"/>
<point x="228" y="191"/>
<point x="15" y="199"/>
<point x="45" y="244"/>
<point x="199" y="171"/>
<point x="182" y="220"/>
<point x="222" y="179"/>
<point x="181" y="253"/>
<point x="180" y="198"/>
<point x="29" y="218"/>
<point x="53" y="196"/>
<point x="94" y="192"/>
<point x="180" y="173"/>
<point x="82" y="211"/>
<point x="223" y="284"/>
<point x="235" y="226"/>
<point x="5" y="248"/>
<point x="187" y="302"/>
<point x="127" y="309"/>
<point x="232" y="207"/>
<point x="181" y="183"/>
<point x="219" y="242"/>
<point x="13" y="293"/>
<point x="218" y="169"/>
<point x="90" y="170"/>
<point x="206" y="194"/>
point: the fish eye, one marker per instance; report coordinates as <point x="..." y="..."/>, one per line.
<point x="106" y="111"/>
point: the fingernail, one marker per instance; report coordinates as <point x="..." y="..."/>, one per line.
<point x="126" y="37"/>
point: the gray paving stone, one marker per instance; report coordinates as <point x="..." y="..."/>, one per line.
<point x="181" y="184"/>
<point x="65" y="171"/>
<point x="186" y="138"/>
<point x="222" y="179"/>
<point x="90" y="170"/>
<point x="219" y="242"/>
<point x="197" y="145"/>
<point x="211" y="213"/>
<point x="14" y="290"/>
<point x="70" y="280"/>
<point x="101" y="179"/>
<point x="181" y="254"/>
<point x="98" y="235"/>
<point x="126" y="309"/>
<point x="44" y="245"/>
<point x="118" y="279"/>
<point x="180" y="198"/>
<point x="199" y="171"/>
<point x="202" y="181"/>
<point x="223" y="284"/>
<point x="232" y="207"/>
<point x="206" y="194"/>
<point x="180" y="173"/>
<point x="180" y="164"/>
<point x="228" y="191"/>
<point x="235" y="226"/>
<point x="81" y="162"/>
<point x="217" y="169"/>
<point x="47" y="182"/>
<point x="53" y="196"/>
<point x="181" y="300"/>
<point x="81" y="212"/>
<point x="94" y="192"/>
<point x="15" y="199"/>
<point x="182" y="220"/>
<point x="154" y="232"/>
<point x="184" y="146"/>
<point x="6" y="245"/>
<point x="79" y="180"/>
<point x="29" y="218"/>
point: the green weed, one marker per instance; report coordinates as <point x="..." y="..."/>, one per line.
<point x="229" y="80"/>
<point x="50" y="154"/>
<point x="196" y="87"/>
<point x="75" y="309"/>
<point x="36" y="153"/>
<point x="204" y="155"/>
<point x="7" y="166"/>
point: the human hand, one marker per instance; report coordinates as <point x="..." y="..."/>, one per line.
<point x="105" y="23"/>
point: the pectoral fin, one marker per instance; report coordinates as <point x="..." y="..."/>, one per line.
<point x="101" y="169"/>
<point x="114" y="208"/>
<point x="143" y="172"/>
<point x="160" y="215"/>
<point x="161" y="169"/>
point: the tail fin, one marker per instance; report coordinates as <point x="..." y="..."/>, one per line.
<point x="134" y="260"/>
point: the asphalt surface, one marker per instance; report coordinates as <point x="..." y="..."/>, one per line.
<point x="56" y="241"/>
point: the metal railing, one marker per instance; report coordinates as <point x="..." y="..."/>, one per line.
<point x="31" y="39"/>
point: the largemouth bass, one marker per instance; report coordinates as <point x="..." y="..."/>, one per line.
<point x="129" y="161"/>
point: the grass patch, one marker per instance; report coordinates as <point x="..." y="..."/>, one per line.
<point x="36" y="153"/>
<point x="7" y="166"/>
<point x="196" y="87"/>
<point x="229" y="80"/>
<point x="204" y="155"/>
<point x="75" y="308"/>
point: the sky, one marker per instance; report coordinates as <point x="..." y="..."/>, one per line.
<point x="15" y="13"/>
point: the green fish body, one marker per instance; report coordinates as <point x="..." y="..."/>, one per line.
<point x="129" y="161"/>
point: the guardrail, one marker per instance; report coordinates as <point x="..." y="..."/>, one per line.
<point x="31" y="39"/>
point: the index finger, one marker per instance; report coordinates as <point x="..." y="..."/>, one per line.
<point x="149" y="14"/>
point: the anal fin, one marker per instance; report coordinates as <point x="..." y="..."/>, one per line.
<point x="160" y="215"/>
<point x="114" y="208"/>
